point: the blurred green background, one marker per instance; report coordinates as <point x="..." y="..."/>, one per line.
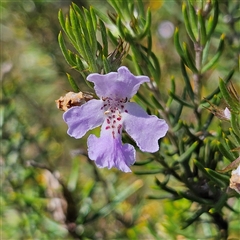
<point x="33" y="76"/>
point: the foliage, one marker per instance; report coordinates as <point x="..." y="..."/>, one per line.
<point x="51" y="190"/>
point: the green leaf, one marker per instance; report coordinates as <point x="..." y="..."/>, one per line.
<point x="147" y="26"/>
<point x="149" y="172"/>
<point x="235" y="122"/>
<point x="217" y="90"/>
<point x="193" y="19"/>
<point x="104" y="37"/>
<point x="141" y="7"/>
<point x="154" y="66"/>
<point x="193" y="218"/>
<point x="213" y="20"/>
<point x="214" y="60"/>
<point x="201" y="21"/>
<point x="173" y="88"/>
<point x="187" y="82"/>
<point x="128" y="191"/>
<point x="65" y="51"/>
<point x="224" y="149"/>
<point x="187" y="22"/>
<point x="187" y="154"/>
<point x="61" y="20"/>
<point x="218" y="176"/>
<point x="90" y="56"/>
<point x="181" y="101"/>
<point x="107" y="67"/>
<point x="235" y="137"/>
<point x="69" y="33"/>
<point x="91" y="31"/>
<point x="194" y="198"/>
<point x="227" y="96"/>
<point x="209" y="174"/>
<point x="73" y="177"/>
<point x="156" y="102"/>
<point x="188" y="58"/>
<point x="177" y="43"/>
<point x="73" y="83"/>
<point x="93" y="17"/>
<point x="75" y="24"/>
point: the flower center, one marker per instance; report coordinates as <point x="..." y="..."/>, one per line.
<point x="113" y="109"/>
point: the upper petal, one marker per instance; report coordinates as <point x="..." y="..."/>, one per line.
<point x="143" y="128"/>
<point x="83" y="118"/>
<point x="121" y="84"/>
<point x="109" y="152"/>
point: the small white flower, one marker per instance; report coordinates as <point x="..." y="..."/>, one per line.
<point x="227" y="113"/>
<point x="235" y="180"/>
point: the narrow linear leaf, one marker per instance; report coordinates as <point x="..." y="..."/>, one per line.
<point x="90" y="56"/>
<point x="205" y="52"/>
<point x="193" y="19"/>
<point x="187" y="154"/>
<point x="194" y="198"/>
<point x="235" y="122"/>
<point x="104" y="37"/>
<point x="155" y="69"/>
<point x="91" y="31"/>
<point x="227" y="96"/>
<point x="232" y="146"/>
<point x="173" y="88"/>
<point x="156" y="102"/>
<point x="94" y="17"/>
<point x="61" y="20"/>
<point x="225" y="151"/>
<point x="193" y="218"/>
<point x="177" y="43"/>
<point x="181" y="101"/>
<point x="218" y="176"/>
<point x="141" y="163"/>
<point x="121" y="197"/>
<point x="214" y="60"/>
<point x="203" y="34"/>
<point x="65" y="51"/>
<point x="235" y="136"/>
<point x="141" y="7"/>
<point x="188" y="58"/>
<point x="106" y="65"/>
<point x="147" y="26"/>
<point x="69" y="32"/>
<point x="72" y="83"/>
<point x="208" y="175"/>
<point x="148" y="172"/>
<point x="217" y="90"/>
<point x="187" y="22"/>
<point x="213" y="21"/>
<point x="187" y="81"/>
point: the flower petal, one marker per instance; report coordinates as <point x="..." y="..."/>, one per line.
<point x="109" y="152"/>
<point x="83" y="118"/>
<point x="121" y="84"/>
<point x="143" y="128"/>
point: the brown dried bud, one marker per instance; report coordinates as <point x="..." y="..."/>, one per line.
<point x="72" y="99"/>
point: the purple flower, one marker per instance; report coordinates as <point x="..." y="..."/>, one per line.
<point x="114" y="112"/>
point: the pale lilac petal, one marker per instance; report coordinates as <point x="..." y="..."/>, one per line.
<point x="236" y="171"/>
<point x="227" y="113"/>
<point x="109" y="152"/>
<point x="143" y="128"/>
<point x="121" y="84"/>
<point x="83" y="118"/>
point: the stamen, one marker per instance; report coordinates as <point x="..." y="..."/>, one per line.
<point x="106" y="112"/>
